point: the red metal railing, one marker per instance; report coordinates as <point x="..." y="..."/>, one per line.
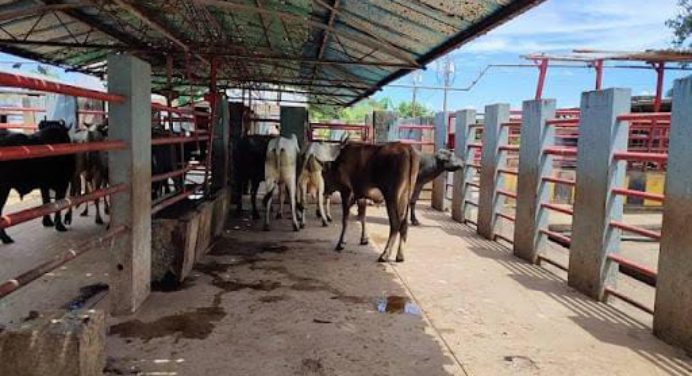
<point x="363" y="131"/>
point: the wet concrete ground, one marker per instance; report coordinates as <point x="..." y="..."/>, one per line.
<point x="284" y="303"/>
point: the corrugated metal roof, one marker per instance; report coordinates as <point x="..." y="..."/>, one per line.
<point x="337" y="51"/>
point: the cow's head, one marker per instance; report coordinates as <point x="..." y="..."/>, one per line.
<point x="446" y="159"/>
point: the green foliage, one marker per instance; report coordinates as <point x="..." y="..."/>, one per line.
<point x="405" y="110"/>
<point x="682" y="23"/>
<point x="357" y="114"/>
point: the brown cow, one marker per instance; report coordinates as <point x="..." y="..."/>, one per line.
<point x="372" y="172"/>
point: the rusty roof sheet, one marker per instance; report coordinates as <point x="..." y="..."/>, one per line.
<point x="337" y="51"/>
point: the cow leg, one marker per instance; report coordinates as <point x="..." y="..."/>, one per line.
<point x="268" y="197"/>
<point x="394" y="226"/>
<point x="45" y="197"/>
<point x="328" y="205"/>
<point x="362" y="206"/>
<point x="403" y="236"/>
<point x="60" y="193"/>
<point x="346" y="198"/>
<point x="98" y="184"/>
<point x="320" y="201"/>
<point x="87" y="189"/>
<point x="4" y="192"/>
<point x="302" y="200"/>
<point x="291" y="187"/>
<point x="280" y="214"/>
<point x="253" y="197"/>
<point x="73" y="192"/>
<point x="414" y="198"/>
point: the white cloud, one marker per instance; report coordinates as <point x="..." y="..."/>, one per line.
<point x="563" y="25"/>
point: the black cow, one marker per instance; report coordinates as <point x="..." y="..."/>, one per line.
<point x="170" y="157"/>
<point x="249" y="159"/>
<point x="46" y="174"/>
<point x="430" y="167"/>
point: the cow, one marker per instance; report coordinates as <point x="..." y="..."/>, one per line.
<point x="387" y="172"/>
<point x="280" y="169"/>
<point x="92" y="167"/>
<point x="430" y="167"/>
<point x="167" y="158"/>
<point x="249" y="160"/>
<point x="310" y="177"/>
<point x="46" y="174"/>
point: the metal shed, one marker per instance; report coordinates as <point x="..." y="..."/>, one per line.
<point x="335" y="51"/>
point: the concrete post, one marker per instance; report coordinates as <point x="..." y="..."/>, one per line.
<point x="495" y="115"/>
<point x="673" y="307"/>
<point x="294" y="120"/>
<point x="131" y="122"/>
<point x="533" y="165"/>
<point x="462" y="132"/>
<point x="439" y="185"/>
<point x="235" y="110"/>
<point x="221" y="145"/>
<point x="384" y="126"/>
<point x="600" y="135"/>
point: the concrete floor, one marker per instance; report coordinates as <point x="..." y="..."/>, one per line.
<point x="284" y="303"/>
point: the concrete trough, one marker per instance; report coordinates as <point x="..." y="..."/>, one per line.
<point x="183" y="233"/>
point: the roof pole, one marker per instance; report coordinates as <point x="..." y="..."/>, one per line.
<point x="542" y="72"/>
<point x="660" y="73"/>
<point x="598" y="66"/>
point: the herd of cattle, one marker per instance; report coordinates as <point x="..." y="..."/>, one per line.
<point x="393" y="173"/>
<point x="80" y="173"/>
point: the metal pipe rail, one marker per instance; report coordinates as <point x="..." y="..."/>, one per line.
<point x="554" y="180"/>
<point x="26" y="215"/>
<point x="10" y="153"/>
<point x="13" y="284"/>
<point x="636" y="229"/>
<point x="640" y="157"/>
<point x="637" y="271"/>
<point x="20" y="110"/>
<point x="557" y="208"/>
<point x="17" y="126"/>
<point x="639" y="194"/>
<point x="561" y="151"/>
<point x="566" y="240"/>
<point x="19" y="81"/>
<point x="177" y="140"/>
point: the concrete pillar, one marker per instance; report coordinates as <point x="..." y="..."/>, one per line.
<point x="131" y="122"/>
<point x="294" y="120"/>
<point x="235" y="110"/>
<point x="600" y="135"/>
<point x="462" y="132"/>
<point x="439" y="185"/>
<point x="493" y="137"/>
<point x="55" y="343"/>
<point x="673" y="307"/>
<point x="220" y="145"/>
<point x="533" y="164"/>
<point x="384" y="126"/>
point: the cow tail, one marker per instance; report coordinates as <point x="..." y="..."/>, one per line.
<point x="412" y="177"/>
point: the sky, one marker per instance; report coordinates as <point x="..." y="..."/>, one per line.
<point x="554" y="27"/>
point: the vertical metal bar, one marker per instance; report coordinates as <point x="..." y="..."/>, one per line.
<point x="542" y="73"/>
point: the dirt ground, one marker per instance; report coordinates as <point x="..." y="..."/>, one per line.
<point x="284" y="303"/>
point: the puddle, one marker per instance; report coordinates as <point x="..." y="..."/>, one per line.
<point x="272" y="298"/>
<point x="86" y="293"/>
<point x="233" y="285"/>
<point x="396" y="304"/>
<point x="232" y="246"/>
<point x="197" y="324"/>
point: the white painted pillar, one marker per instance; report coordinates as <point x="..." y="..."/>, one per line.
<point x="462" y="132"/>
<point x="495" y="115"/>
<point x="130" y="121"/>
<point x="440" y="183"/>
<point x="600" y="135"/>
<point x="533" y="165"/>
<point x="673" y="308"/>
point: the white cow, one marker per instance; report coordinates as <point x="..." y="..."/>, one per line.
<point x="310" y="179"/>
<point x="280" y="169"/>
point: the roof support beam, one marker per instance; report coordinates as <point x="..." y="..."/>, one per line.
<point x="370" y="42"/>
<point x="161" y="29"/>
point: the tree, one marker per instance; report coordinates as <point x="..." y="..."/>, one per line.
<point x="355" y="114"/>
<point x="405" y="109"/>
<point x="682" y="23"/>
